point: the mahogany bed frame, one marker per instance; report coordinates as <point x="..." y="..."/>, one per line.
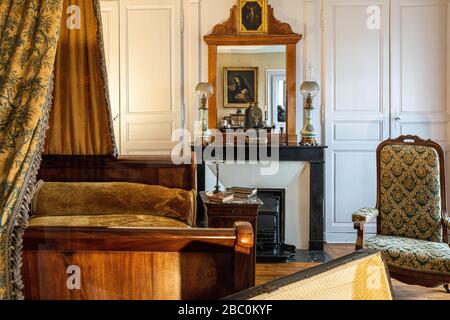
<point x="144" y="264"/>
<point x="152" y="170"/>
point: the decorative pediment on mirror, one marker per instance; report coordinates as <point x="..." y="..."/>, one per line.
<point x="229" y="28"/>
<point x="265" y="32"/>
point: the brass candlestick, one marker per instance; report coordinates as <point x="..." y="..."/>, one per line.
<point x="309" y="90"/>
<point x="217" y="187"/>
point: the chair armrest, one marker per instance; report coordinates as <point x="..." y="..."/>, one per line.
<point x="360" y="218"/>
<point x="447" y="221"/>
<point x="364" y="215"/>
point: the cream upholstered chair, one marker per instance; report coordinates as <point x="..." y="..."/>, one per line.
<point x="413" y="224"/>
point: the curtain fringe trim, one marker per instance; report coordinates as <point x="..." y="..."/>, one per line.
<point x="21" y="211"/>
<point x="100" y="42"/>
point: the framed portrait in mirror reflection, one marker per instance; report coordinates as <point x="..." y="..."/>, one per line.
<point x="240" y="87"/>
<point x="252" y="17"/>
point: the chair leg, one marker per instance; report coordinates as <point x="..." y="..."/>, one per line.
<point x="447" y="288"/>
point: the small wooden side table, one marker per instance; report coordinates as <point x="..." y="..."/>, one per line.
<point x="224" y="215"/>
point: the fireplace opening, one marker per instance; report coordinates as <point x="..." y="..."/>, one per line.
<point x="270" y="234"/>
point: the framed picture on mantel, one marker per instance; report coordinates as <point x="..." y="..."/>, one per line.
<point x="252" y="17"/>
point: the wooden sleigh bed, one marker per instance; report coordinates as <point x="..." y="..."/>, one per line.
<point x="133" y="263"/>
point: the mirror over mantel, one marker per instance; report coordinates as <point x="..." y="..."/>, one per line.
<point x="253" y="66"/>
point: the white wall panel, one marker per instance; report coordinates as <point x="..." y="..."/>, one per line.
<point x="433" y="131"/>
<point x="148" y="59"/>
<point x="355" y="185"/>
<point x="357" y="60"/>
<point x="149" y="131"/>
<point x="151" y="71"/>
<point x="356" y="92"/>
<point x="358" y="131"/>
<point x="423" y="56"/>
<point x="419" y="37"/>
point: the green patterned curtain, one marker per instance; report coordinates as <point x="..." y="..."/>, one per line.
<point x="29" y="32"/>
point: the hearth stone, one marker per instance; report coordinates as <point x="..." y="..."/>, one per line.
<point x="311" y="256"/>
<point x="282" y="254"/>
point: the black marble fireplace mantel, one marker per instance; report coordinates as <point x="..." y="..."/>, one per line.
<point x="287" y="153"/>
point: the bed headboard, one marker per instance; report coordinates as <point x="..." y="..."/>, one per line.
<point x="152" y="170"/>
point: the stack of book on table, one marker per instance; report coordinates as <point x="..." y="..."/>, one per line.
<point x="243" y="193"/>
<point x="220" y="197"/>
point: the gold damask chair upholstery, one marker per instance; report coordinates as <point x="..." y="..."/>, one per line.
<point x="412" y="230"/>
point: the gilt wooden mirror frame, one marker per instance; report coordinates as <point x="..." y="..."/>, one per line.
<point x="279" y="33"/>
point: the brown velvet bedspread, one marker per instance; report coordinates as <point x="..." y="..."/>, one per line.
<point x="111" y="199"/>
<point x="116" y="221"/>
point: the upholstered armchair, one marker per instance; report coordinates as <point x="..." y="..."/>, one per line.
<point x="412" y="230"/>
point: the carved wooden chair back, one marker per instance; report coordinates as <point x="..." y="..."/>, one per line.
<point x="411" y="194"/>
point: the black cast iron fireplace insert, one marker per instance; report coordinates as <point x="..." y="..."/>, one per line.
<point x="270" y="236"/>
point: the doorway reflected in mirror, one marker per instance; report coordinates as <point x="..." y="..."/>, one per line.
<point x="276" y="97"/>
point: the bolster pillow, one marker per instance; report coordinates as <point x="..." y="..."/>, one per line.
<point x="74" y="199"/>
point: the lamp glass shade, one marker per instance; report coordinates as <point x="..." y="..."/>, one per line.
<point x="204" y="89"/>
<point x="310" y="88"/>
